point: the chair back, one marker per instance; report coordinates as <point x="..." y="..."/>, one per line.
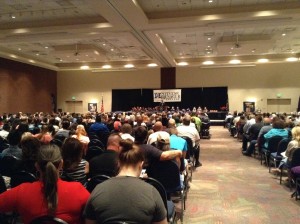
<point x="96" y="142"/>
<point x="167" y="173"/>
<point x="273" y="143"/>
<point x="93" y="151"/>
<point x="2" y="185"/>
<point x="3" y="144"/>
<point x="48" y="220"/>
<point x="21" y="177"/>
<point x="95" y="180"/>
<point x="295" y="158"/>
<point x="189" y="142"/>
<point x="282" y="145"/>
<point x="169" y="205"/>
<point x="9" y="165"/>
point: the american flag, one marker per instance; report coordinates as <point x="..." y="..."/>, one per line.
<point x="102" y="106"/>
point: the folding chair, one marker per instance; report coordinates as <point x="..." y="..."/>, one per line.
<point x="48" y="220"/>
<point x="95" y="180"/>
<point x="169" y="205"/>
<point x="276" y="157"/>
<point x="272" y="147"/>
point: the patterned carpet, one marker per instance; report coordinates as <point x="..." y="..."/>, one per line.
<point x="232" y="188"/>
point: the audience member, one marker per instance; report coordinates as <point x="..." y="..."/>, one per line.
<point x="107" y="162"/>
<point x="49" y="195"/>
<point x="110" y="200"/>
<point x="13" y="138"/>
<point x="74" y="165"/>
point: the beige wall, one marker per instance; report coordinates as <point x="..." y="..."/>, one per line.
<point x="256" y="84"/>
<point x="89" y="87"/>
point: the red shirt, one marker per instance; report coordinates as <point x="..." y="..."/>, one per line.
<point x="28" y="200"/>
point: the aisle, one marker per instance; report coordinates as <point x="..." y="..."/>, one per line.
<point x="231" y="188"/>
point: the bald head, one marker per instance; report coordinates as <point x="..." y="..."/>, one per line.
<point x="267" y="121"/>
<point x="157" y="126"/>
<point x="113" y="142"/>
<point x="186" y="120"/>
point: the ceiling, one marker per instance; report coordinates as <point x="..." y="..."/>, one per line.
<point x="67" y="34"/>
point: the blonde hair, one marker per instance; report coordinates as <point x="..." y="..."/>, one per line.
<point x="81" y="130"/>
<point x="296" y="133"/>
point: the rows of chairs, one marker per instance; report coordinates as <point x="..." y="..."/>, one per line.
<point x="271" y="157"/>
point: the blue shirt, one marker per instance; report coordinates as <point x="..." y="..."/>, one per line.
<point x="275" y="132"/>
<point x="178" y="143"/>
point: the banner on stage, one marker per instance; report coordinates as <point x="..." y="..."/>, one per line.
<point x="167" y="95"/>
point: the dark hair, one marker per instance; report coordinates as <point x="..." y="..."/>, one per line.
<point x="130" y="153"/>
<point x="14" y="137"/>
<point x="140" y="134"/>
<point x="48" y="159"/>
<point x="126" y="128"/>
<point x="72" y="152"/>
<point x="65" y="124"/>
<point x="279" y="124"/>
<point x="30" y="147"/>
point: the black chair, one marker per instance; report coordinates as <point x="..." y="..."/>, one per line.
<point x="21" y="177"/>
<point x="169" y="205"/>
<point x="120" y="222"/>
<point x="295" y="162"/>
<point x="272" y="147"/>
<point x="66" y="177"/>
<point x="93" y="151"/>
<point x="95" y="180"/>
<point x="190" y="157"/>
<point x="167" y="173"/>
<point x="3" y="144"/>
<point x="276" y="157"/>
<point x="96" y="142"/>
<point x="9" y="165"/>
<point x="48" y="220"/>
<point x="204" y="131"/>
<point x="2" y="185"/>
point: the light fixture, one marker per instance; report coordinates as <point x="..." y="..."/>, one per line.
<point x="208" y="62"/>
<point x="152" y="65"/>
<point x="235" y="61"/>
<point x="129" y="66"/>
<point x="106" y="66"/>
<point x="84" y="67"/>
<point x="284" y="34"/>
<point x="292" y="59"/>
<point x="263" y="60"/>
<point x="183" y="63"/>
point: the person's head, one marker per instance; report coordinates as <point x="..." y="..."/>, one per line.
<point x="98" y="118"/>
<point x="163" y="143"/>
<point x="6" y="127"/>
<point x="30" y="147"/>
<point x="296" y="133"/>
<point x="157" y="126"/>
<point x="279" y="124"/>
<point x="267" y="121"/>
<point x="49" y="162"/>
<point x="186" y="120"/>
<point x="14" y="137"/>
<point x="140" y="135"/>
<point x="130" y="155"/>
<point x="80" y="130"/>
<point x="72" y="152"/>
<point x="126" y="128"/>
<point x="113" y="142"/>
<point x="65" y="124"/>
<point x="171" y="123"/>
<point x="258" y="119"/>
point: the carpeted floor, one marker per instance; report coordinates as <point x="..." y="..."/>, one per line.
<point x="231" y="188"/>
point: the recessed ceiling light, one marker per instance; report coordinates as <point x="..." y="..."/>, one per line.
<point x="284" y="34"/>
<point x="292" y="59"/>
<point x="263" y="60"/>
<point x="129" y="66"/>
<point x="13" y="56"/>
<point x="106" y="66"/>
<point x="152" y="65"/>
<point x="13" y="17"/>
<point x="234" y="61"/>
<point x="84" y="67"/>
<point x="208" y="62"/>
<point x="183" y="63"/>
<point x="209" y="38"/>
<point x="210" y="1"/>
<point x="46" y="47"/>
<point x="32" y="61"/>
<point x="19" y="49"/>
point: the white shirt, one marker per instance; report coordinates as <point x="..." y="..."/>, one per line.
<point x="190" y="132"/>
<point x="153" y="137"/>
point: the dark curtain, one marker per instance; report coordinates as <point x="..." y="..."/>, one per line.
<point x="213" y="98"/>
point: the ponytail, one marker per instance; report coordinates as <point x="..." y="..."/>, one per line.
<point x="49" y="159"/>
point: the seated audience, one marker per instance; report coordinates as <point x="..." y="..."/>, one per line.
<point x="81" y="135"/>
<point x="74" y="165"/>
<point x="110" y="200"/>
<point x="158" y="130"/>
<point x="126" y="132"/>
<point x="13" y="138"/>
<point x="44" y="136"/>
<point x="107" y="162"/>
<point x="278" y="129"/>
<point x="49" y="195"/>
